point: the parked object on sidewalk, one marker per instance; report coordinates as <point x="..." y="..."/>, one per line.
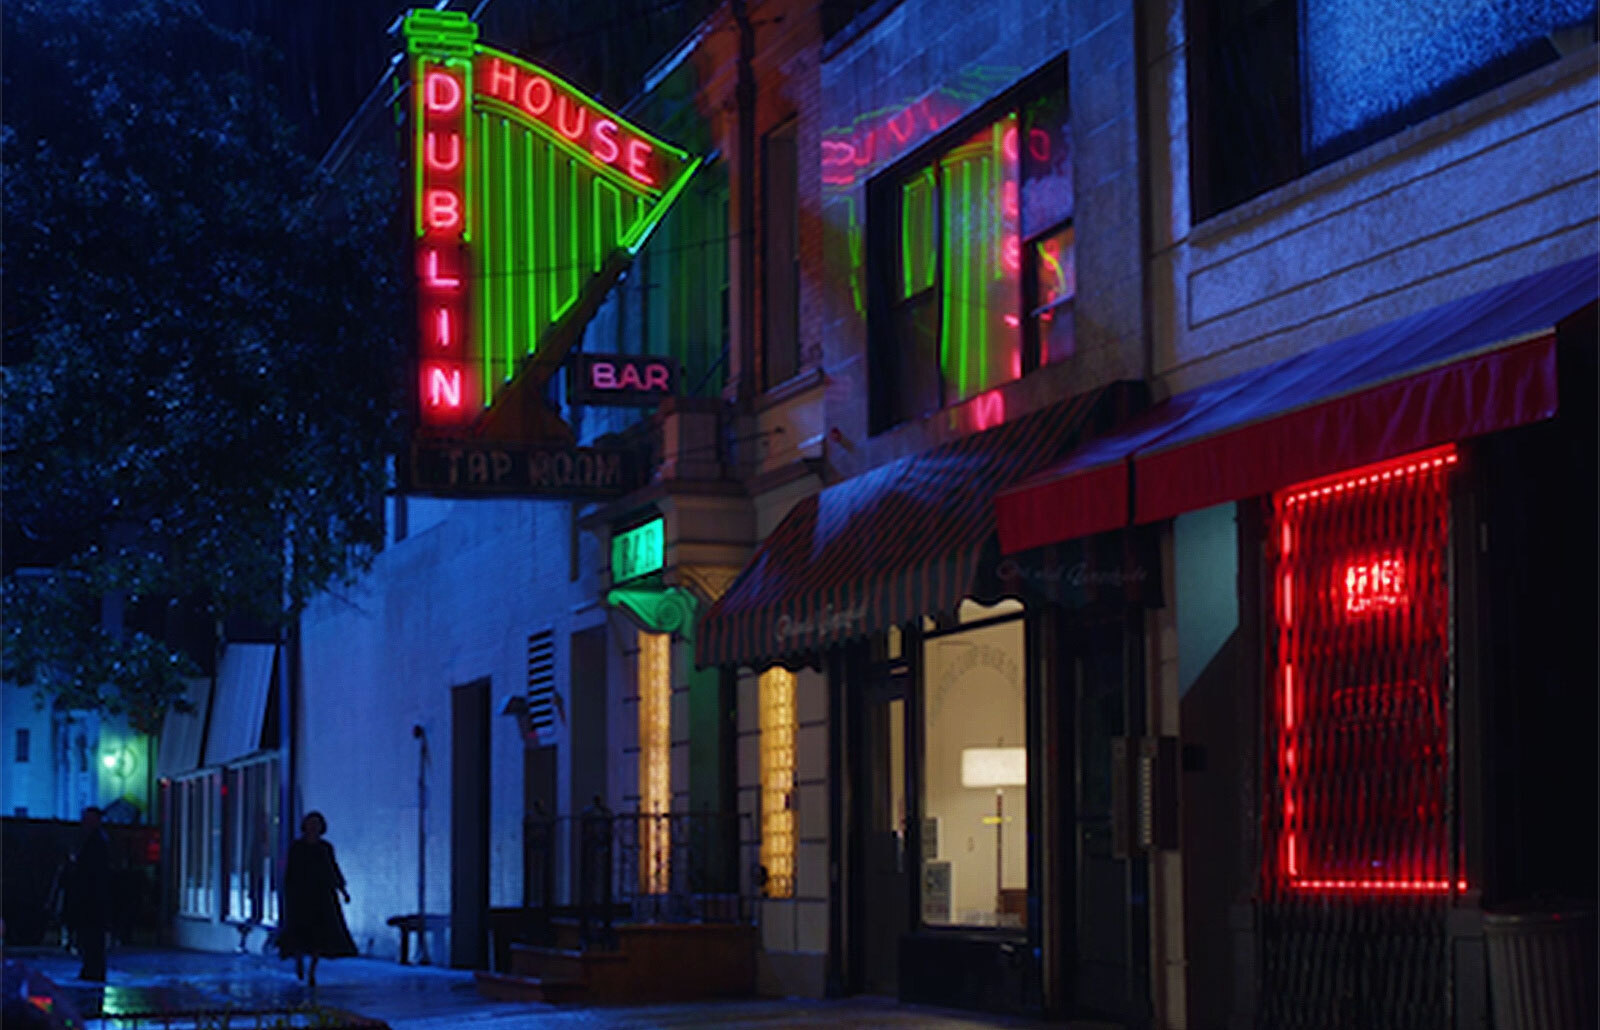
<point x="313" y="921"/>
<point x="1542" y="965"/>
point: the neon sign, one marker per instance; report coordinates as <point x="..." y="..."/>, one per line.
<point x="625" y="379"/>
<point x="1360" y="719"/>
<point x="528" y="198"/>
<point x="639" y="551"/>
<point x="1374" y="585"/>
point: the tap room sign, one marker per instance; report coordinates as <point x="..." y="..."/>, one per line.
<point x="529" y="199"/>
<point x="638" y="380"/>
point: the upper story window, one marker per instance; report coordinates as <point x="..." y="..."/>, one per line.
<point x="780" y="256"/>
<point x="975" y="279"/>
<point x="1280" y="87"/>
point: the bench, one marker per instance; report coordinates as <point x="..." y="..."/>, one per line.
<point x="413" y="924"/>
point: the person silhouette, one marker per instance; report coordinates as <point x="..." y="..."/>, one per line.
<point x="313" y="921"/>
<point x="89" y="896"/>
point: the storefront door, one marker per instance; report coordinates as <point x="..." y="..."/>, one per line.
<point x="882" y="889"/>
<point x="1102" y="684"/>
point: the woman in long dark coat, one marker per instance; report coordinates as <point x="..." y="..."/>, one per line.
<point x="313" y="921"/>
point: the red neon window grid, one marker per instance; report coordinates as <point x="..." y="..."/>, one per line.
<point x="1359" y="712"/>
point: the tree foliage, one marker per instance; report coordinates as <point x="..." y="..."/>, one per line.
<point x="201" y="337"/>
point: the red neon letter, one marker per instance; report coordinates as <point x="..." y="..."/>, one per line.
<point x="444" y="387"/>
<point x="452" y="159"/>
<point x="638" y="161"/>
<point x="655" y="377"/>
<point x="442" y="209"/>
<point x="604" y="141"/>
<point x="542" y="85"/>
<point x="441" y="93"/>
<point x="441" y="327"/>
<point x="430" y="272"/>
<point x="561" y="119"/>
<point x="503" y="81"/>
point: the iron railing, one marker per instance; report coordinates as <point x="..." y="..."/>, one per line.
<point x="603" y="868"/>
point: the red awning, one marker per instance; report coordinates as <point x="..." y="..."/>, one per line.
<point x="1477" y="365"/>
<point x="892" y="544"/>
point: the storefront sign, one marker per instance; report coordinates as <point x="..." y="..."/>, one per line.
<point x="1111" y="568"/>
<point x="623" y="379"/>
<point x="791" y="630"/>
<point x="466" y="468"/>
<point x="639" y="551"/>
<point x="510" y="161"/>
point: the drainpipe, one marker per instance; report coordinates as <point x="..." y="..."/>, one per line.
<point x="423" y="958"/>
<point x="745" y="98"/>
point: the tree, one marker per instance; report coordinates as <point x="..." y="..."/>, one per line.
<point x="201" y="341"/>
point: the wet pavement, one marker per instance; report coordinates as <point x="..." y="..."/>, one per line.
<point x="425" y="998"/>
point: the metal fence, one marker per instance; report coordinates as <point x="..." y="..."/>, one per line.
<point x="1363" y="864"/>
<point x="604" y="868"/>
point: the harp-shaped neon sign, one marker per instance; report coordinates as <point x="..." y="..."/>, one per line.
<point x="530" y="199"/>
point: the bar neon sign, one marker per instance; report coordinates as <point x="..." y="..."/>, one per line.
<point x="527" y="194"/>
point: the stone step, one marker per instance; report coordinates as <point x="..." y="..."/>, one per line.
<point x="511" y="987"/>
<point x="560" y="963"/>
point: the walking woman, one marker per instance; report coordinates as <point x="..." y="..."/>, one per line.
<point x="313" y="921"/>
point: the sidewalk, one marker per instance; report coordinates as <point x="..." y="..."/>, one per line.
<point x="426" y="998"/>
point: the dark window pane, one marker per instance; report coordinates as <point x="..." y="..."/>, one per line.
<point x="1245" y="100"/>
<point x="780" y="258"/>
<point x="916" y="331"/>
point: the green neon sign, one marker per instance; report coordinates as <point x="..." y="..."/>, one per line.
<point x="530" y="198"/>
<point x="639" y="551"/>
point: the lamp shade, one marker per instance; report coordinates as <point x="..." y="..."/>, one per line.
<point x="994" y="766"/>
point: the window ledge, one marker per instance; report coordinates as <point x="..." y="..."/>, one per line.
<point x="790" y="388"/>
<point x="1443" y="123"/>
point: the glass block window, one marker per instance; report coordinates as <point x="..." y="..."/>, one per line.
<point x="655" y="761"/>
<point x="778" y="829"/>
<point x="1360" y="707"/>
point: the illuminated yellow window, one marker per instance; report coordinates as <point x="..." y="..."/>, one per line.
<point x="655" y="761"/>
<point x="777" y="781"/>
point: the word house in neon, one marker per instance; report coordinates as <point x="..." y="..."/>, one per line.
<point x="527" y="196"/>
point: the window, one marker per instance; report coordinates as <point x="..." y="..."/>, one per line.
<point x="780" y="256"/>
<point x="1360" y="706"/>
<point x="1279" y="87"/>
<point x="682" y="285"/>
<point x="250" y="842"/>
<point x="197" y="826"/>
<point x="980" y="282"/>
<point x="974" y="774"/>
<point x="778" y="828"/>
<point x="22" y="745"/>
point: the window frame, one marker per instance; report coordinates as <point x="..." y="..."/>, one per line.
<point x="1294" y="155"/>
<point x="888" y="374"/>
<point x="917" y="757"/>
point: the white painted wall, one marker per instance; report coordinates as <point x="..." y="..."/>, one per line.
<point x="452" y="603"/>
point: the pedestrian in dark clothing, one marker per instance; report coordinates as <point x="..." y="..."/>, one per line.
<point x="89" y="896"/>
<point x="313" y="921"/>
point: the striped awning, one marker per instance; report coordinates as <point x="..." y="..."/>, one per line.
<point x="1475" y="365"/>
<point x="888" y="546"/>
